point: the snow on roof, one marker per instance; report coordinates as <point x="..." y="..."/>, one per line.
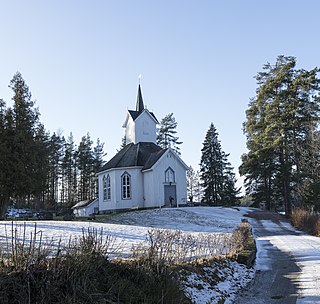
<point x="84" y="203"/>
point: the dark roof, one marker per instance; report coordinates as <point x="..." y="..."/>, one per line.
<point x="143" y="154"/>
<point x="139" y="105"/>
<point x="135" y="114"/>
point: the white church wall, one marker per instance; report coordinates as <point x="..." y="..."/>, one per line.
<point x="154" y="196"/>
<point x="155" y="181"/>
<point x="145" y="128"/>
<point x="117" y="202"/>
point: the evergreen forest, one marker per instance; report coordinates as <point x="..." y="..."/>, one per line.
<point x="40" y="170"/>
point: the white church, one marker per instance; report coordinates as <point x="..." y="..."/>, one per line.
<point x="142" y="174"/>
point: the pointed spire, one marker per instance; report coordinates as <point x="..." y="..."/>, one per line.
<point x="139" y="105"/>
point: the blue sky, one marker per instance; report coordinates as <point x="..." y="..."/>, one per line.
<point x="198" y="59"/>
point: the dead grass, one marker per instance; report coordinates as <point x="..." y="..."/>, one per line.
<point x="306" y="221"/>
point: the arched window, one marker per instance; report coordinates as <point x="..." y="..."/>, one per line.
<point x="169" y="176"/>
<point x="106" y="188"/>
<point x="126" y="185"/>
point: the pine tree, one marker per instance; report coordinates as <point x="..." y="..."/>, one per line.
<point x="308" y="189"/>
<point x="167" y="134"/>
<point x="85" y="166"/>
<point x="217" y="178"/>
<point x="56" y="151"/>
<point x="40" y="174"/>
<point x="278" y="119"/>
<point x="69" y="174"/>
<point x="98" y="162"/>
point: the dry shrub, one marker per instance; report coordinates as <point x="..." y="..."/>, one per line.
<point x="306" y="220"/>
<point x="34" y="273"/>
<point x="166" y="248"/>
<point x="299" y="217"/>
<point x="240" y="237"/>
<point x="317" y="228"/>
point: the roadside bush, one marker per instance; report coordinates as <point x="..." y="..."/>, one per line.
<point x="306" y="221"/>
<point x="240" y="237"/>
<point x="243" y="244"/>
<point x="164" y="249"/>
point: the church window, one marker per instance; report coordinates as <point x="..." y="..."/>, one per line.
<point x="126" y="185"/>
<point x="169" y="176"/>
<point x="106" y="188"/>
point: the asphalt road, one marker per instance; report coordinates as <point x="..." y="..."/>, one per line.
<point x="277" y="271"/>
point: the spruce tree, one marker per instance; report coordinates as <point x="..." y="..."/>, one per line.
<point x="26" y="123"/>
<point x="123" y="143"/>
<point x="6" y="178"/>
<point x="167" y="134"/>
<point x="218" y="182"/>
<point x="230" y="192"/>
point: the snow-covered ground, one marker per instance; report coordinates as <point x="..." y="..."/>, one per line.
<point x="130" y="229"/>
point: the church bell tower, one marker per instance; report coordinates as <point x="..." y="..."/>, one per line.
<point x="140" y="124"/>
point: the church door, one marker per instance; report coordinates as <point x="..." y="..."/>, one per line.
<point x="170" y="195"/>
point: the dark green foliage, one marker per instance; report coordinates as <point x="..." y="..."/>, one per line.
<point x="6" y="180"/>
<point x="123" y="143"/>
<point x="56" y="145"/>
<point x="218" y="180"/>
<point x="25" y="155"/>
<point x="36" y="167"/>
<point x="69" y="174"/>
<point x="167" y="134"/>
<point x="85" y="166"/>
<point x="285" y="109"/>
<point x="89" y="161"/>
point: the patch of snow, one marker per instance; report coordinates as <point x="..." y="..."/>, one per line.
<point x="221" y="280"/>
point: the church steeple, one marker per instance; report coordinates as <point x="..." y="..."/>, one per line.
<point x="139" y="105"/>
<point x="140" y="124"/>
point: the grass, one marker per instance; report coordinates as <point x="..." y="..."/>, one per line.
<point x="32" y="271"/>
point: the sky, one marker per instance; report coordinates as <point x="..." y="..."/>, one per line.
<point x="81" y="61"/>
